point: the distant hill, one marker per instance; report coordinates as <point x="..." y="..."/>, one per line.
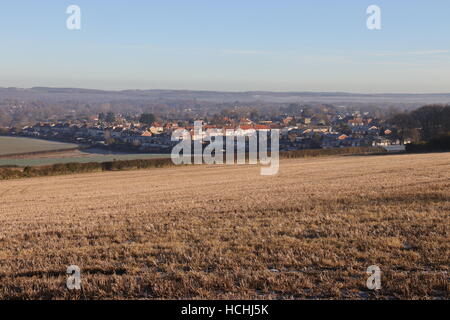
<point x="91" y="95"/>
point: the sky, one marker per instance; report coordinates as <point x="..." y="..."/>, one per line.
<point x="228" y="45"/>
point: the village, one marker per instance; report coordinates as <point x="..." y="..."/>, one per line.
<point x="149" y="135"/>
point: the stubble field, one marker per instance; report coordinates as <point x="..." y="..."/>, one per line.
<point x="220" y="232"/>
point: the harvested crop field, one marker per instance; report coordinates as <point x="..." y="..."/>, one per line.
<point x="219" y="232"/>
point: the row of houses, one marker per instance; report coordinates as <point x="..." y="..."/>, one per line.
<point x="157" y="137"/>
<point x="330" y="137"/>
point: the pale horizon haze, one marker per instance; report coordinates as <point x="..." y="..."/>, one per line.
<point x="228" y="45"/>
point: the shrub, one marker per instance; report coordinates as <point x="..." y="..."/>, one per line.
<point x="437" y="144"/>
<point x="69" y="168"/>
<point x="330" y="152"/>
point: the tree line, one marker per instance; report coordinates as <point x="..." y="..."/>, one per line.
<point x="428" y="127"/>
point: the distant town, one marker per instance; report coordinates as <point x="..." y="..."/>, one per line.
<point x="302" y="129"/>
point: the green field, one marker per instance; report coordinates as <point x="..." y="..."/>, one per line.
<point x="18" y="145"/>
<point x="85" y="158"/>
<point x="22" y="146"/>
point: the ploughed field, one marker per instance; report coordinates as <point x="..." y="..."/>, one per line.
<point x="227" y="232"/>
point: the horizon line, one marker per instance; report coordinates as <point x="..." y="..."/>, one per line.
<point x="231" y="91"/>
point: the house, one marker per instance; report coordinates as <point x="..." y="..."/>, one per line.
<point x="156" y="128"/>
<point x="373" y="130"/>
<point x="246" y="121"/>
<point x="261" y="127"/>
<point x="360" y="129"/>
<point x="286" y="121"/>
<point x="380" y="141"/>
<point x="245" y="130"/>
<point x="275" y="126"/>
<point x="306" y="120"/>
<point x="353" y="142"/>
<point x="355" y="122"/>
<point x="146" y="134"/>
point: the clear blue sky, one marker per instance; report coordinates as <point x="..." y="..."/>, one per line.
<point x="237" y="45"/>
